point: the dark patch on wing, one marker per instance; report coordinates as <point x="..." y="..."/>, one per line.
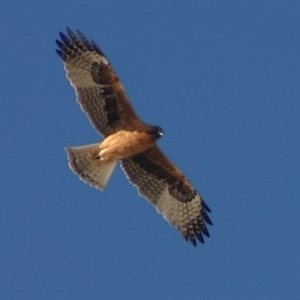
<point x="177" y="188"/>
<point x="107" y="91"/>
<point x="110" y="105"/>
<point x="101" y="73"/>
<point x="111" y="109"/>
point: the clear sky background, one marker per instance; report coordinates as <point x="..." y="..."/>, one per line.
<point x="222" y="79"/>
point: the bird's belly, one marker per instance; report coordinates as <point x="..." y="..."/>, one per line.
<point x="124" y="144"/>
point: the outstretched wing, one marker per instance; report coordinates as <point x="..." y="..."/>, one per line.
<point x="99" y="91"/>
<point x="164" y="185"/>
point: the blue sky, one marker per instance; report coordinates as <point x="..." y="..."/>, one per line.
<point x="222" y="79"/>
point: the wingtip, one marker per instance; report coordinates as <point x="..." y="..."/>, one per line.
<point x="71" y="34"/>
<point x="97" y="48"/>
<point x="200" y="237"/>
<point x="190" y="239"/>
<point x="193" y="242"/>
<point x="85" y="41"/>
<point x="205" y="232"/>
<point x="205" y="206"/>
<point x="206" y="217"/>
<point x="79" y="32"/>
<point x="68" y="30"/>
<point x="59" y="53"/>
<point x="63" y="36"/>
<point x="71" y="41"/>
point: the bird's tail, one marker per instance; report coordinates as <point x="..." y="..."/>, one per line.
<point x="82" y="164"/>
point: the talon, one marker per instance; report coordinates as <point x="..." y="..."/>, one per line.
<point x="94" y="154"/>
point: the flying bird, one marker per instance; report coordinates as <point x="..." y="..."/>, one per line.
<point x="127" y="139"/>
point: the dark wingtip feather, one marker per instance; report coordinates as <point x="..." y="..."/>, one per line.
<point x="193" y="241"/>
<point x="97" y="48"/>
<point x="185" y="236"/>
<point x="61" y="45"/>
<point x="205" y="231"/>
<point x="205" y="206"/>
<point x="206" y="217"/>
<point x="64" y="38"/>
<point x="200" y="238"/>
<point x="69" y="31"/>
<point x="85" y="41"/>
<point x="60" y="53"/>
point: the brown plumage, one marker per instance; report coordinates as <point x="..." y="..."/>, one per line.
<point x="102" y="97"/>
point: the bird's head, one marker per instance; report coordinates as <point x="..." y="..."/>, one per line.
<point x="155" y="131"/>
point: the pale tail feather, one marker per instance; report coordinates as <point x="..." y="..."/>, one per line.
<point x="82" y="165"/>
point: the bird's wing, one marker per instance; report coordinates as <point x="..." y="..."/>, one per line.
<point x="165" y="186"/>
<point x="99" y="91"/>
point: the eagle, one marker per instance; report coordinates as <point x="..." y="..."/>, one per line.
<point x="127" y="139"/>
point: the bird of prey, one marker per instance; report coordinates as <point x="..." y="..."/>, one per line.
<point x="127" y="139"/>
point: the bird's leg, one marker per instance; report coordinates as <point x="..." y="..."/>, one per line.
<point x="99" y="156"/>
<point x="95" y="154"/>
